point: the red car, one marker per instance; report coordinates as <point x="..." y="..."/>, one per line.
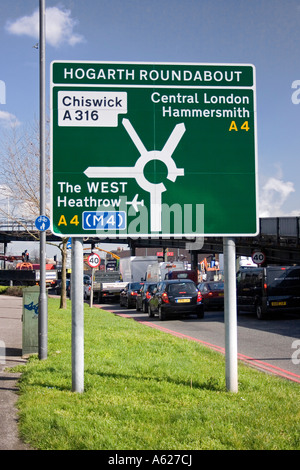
<point x="212" y="294"/>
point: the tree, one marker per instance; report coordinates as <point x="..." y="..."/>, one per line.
<point x="20" y="183"/>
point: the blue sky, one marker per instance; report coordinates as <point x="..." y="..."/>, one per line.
<point x="265" y="33"/>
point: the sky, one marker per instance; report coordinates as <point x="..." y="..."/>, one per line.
<point x="264" y="33"/>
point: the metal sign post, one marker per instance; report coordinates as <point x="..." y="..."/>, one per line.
<point x="77" y="316"/>
<point x="92" y="288"/>
<point x="94" y="261"/>
<point x="230" y="315"/>
<point x="43" y="307"/>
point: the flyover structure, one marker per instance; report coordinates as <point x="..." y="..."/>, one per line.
<point x="278" y="238"/>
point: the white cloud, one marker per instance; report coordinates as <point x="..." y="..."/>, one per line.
<point x="59" y="27"/>
<point x="273" y="195"/>
<point x="8" y="120"/>
<point x="295" y="213"/>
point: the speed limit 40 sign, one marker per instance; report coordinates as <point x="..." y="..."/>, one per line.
<point x="94" y="260"/>
<point x="258" y="257"/>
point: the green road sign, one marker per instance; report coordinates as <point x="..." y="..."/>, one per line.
<point x="153" y="149"/>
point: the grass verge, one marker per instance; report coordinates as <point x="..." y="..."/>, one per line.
<point x="148" y="390"/>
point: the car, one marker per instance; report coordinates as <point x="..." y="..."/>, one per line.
<point x="175" y="297"/>
<point x="268" y="290"/>
<point x="212" y="294"/>
<point x="144" y="295"/>
<point x="68" y="287"/>
<point x="129" y="293"/>
<point x="87" y="286"/>
<point x="57" y="288"/>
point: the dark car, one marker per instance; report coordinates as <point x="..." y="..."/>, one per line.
<point x="58" y="287"/>
<point x="68" y="287"/>
<point x="176" y="297"/>
<point x="145" y="293"/>
<point x="86" y="281"/>
<point x="212" y="294"/>
<point x="129" y="294"/>
<point x="268" y="290"/>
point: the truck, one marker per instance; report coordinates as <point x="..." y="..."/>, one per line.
<point x="134" y="268"/>
<point x="107" y="285"/>
<point x="243" y="261"/>
<point x="27" y="274"/>
<point x="15" y="277"/>
<point x="163" y="270"/>
<point x="51" y="277"/>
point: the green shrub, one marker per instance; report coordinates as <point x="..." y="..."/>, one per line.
<point x="16" y="291"/>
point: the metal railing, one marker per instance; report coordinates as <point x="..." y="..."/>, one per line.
<point x="20" y="225"/>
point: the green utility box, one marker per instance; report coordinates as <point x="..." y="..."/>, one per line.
<point x="30" y="316"/>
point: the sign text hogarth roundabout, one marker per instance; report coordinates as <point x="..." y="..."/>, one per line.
<point x="153" y="149"/>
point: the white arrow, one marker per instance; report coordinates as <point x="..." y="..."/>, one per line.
<point x="137" y="171"/>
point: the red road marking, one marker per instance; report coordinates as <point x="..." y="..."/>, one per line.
<point x="247" y="359"/>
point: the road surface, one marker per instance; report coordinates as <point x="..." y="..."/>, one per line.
<point x="271" y="345"/>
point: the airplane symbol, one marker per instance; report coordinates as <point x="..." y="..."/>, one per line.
<point x="135" y="203"/>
